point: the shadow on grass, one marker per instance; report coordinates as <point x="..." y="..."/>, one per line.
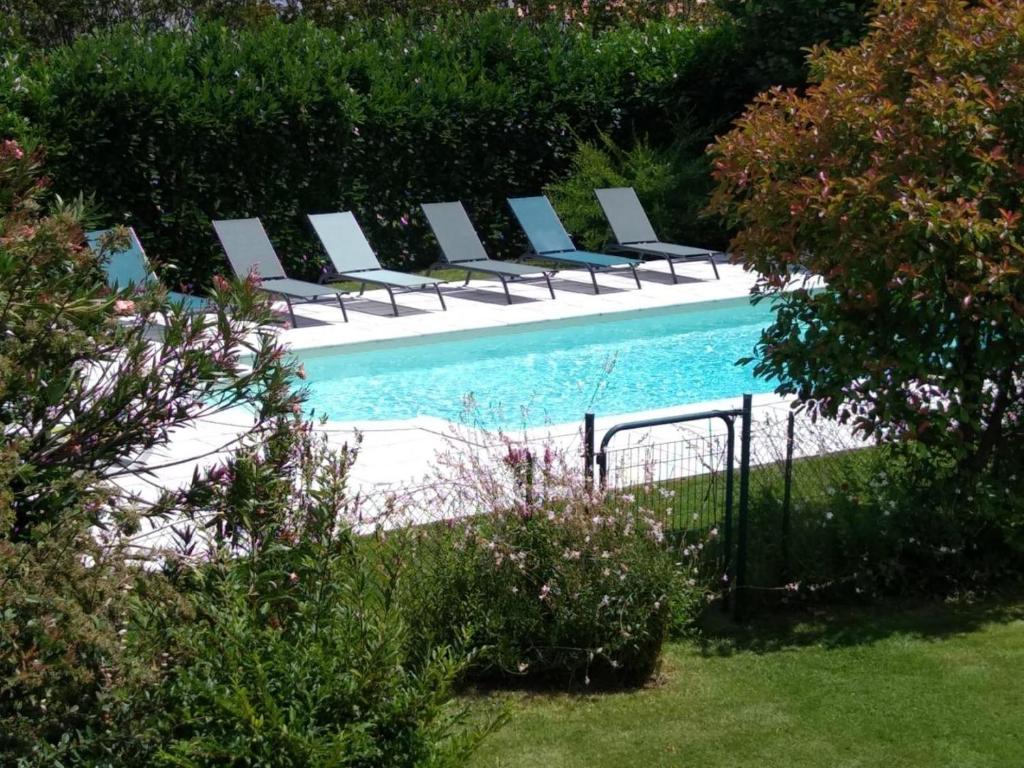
<point x="840" y="627"/>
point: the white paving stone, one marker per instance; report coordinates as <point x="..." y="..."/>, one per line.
<point x="404" y="454"/>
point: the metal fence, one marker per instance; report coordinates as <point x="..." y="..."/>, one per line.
<point x="731" y="480"/>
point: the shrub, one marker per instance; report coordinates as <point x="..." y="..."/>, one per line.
<point x="894" y="180"/>
<point x="171" y="129"/>
<point x="564" y="587"/>
<point x="672" y="185"/>
<point x="875" y="522"/>
<point x="300" y="658"/>
<point x="104" y="662"/>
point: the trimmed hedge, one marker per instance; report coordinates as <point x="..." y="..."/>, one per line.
<point x="278" y="120"/>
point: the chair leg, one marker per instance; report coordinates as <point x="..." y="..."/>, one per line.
<point x="547" y="279"/>
<point x="440" y="296"/>
<point x="593" y="279"/>
<point x="711" y="258"/>
<point x="344" y="312"/>
<point x="636" y="277"/>
<point x="362" y="288"/>
<point x="672" y="269"/>
<point x="291" y="310"/>
<point x="391" y="295"/>
<point x="504" y="284"/>
<point x="468" y="273"/>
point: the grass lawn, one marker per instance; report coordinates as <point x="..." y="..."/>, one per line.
<point x="924" y="687"/>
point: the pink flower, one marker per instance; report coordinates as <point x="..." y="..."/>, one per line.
<point x="10" y="148"/>
<point x="124" y="307"/>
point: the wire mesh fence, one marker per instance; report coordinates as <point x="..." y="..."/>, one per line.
<point x="688" y="471"/>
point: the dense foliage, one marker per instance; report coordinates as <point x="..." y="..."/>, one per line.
<point x="553" y="583"/>
<point x="112" y="641"/>
<point x="898" y="180"/>
<point x="170" y="130"/>
<point x="46" y="23"/>
<point x="671" y="183"/>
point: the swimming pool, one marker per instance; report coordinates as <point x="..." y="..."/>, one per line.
<point x="545" y="373"/>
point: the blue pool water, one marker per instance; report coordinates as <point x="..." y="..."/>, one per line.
<point x="548" y="373"/>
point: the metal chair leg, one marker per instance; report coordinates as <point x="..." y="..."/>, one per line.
<point x="672" y="269"/>
<point x="547" y="278"/>
<point x="593" y="279"/>
<point x="391" y="295"/>
<point x="636" y="277"/>
<point x="291" y="310"/>
<point x="341" y="304"/>
<point x="711" y="258"/>
<point x="440" y="296"/>
<point x="504" y="284"/>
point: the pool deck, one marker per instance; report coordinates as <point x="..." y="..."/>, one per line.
<point x="482" y="304"/>
<point x="402" y="455"/>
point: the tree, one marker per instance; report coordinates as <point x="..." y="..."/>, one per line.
<point x="896" y="179"/>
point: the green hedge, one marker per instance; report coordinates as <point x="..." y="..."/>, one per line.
<point x="278" y="120"/>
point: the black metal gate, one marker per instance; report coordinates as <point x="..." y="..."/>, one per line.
<point x="694" y="473"/>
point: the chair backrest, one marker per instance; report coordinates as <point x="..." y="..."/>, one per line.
<point x="454" y="232"/>
<point x="248" y="248"/>
<point x="626" y="215"/>
<point x="541" y="224"/>
<point x="344" y="241"/>
<point x="124" y="268"/>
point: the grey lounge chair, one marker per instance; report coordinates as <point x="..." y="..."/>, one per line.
<point x="461" y="247"/>
<point x="354" y="259"/>
<point x="634" y="233"/>
<point x="250" y="252"/>
<point x="550" y="241"/>
<point x="129" y="268"/>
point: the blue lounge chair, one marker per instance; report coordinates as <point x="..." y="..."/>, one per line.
<point x="250" y="251"/>
<point x="551" y="242"/>
<point x="634" y="233"/>
<point x="129" y="268"/>
<point x="354" y="259"/>
<point x="461" y="247"/>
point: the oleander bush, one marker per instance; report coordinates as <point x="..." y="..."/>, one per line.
<point x="289" y="647"/>
<point x="171" y="129"/>
<point x="113" y="635"/>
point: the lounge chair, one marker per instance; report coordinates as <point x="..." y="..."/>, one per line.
<point x="129" y="268"/>
<point x="354" y="259"/>
<point x="250" y="252"/>
<point x="551" y="242"/>
<point x="634" y="233"/>
<point x="461" y="248"/>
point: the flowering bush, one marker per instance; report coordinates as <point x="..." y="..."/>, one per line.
<point x="562" y="585"/>
<point x="104" y="662"/>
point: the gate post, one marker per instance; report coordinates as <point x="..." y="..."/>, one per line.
<point x="588" y="450"/>
<point x="739" y="586"/>
<point x="787" y="494"/>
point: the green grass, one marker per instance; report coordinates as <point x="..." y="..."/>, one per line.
<point x="927" y="687"/>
